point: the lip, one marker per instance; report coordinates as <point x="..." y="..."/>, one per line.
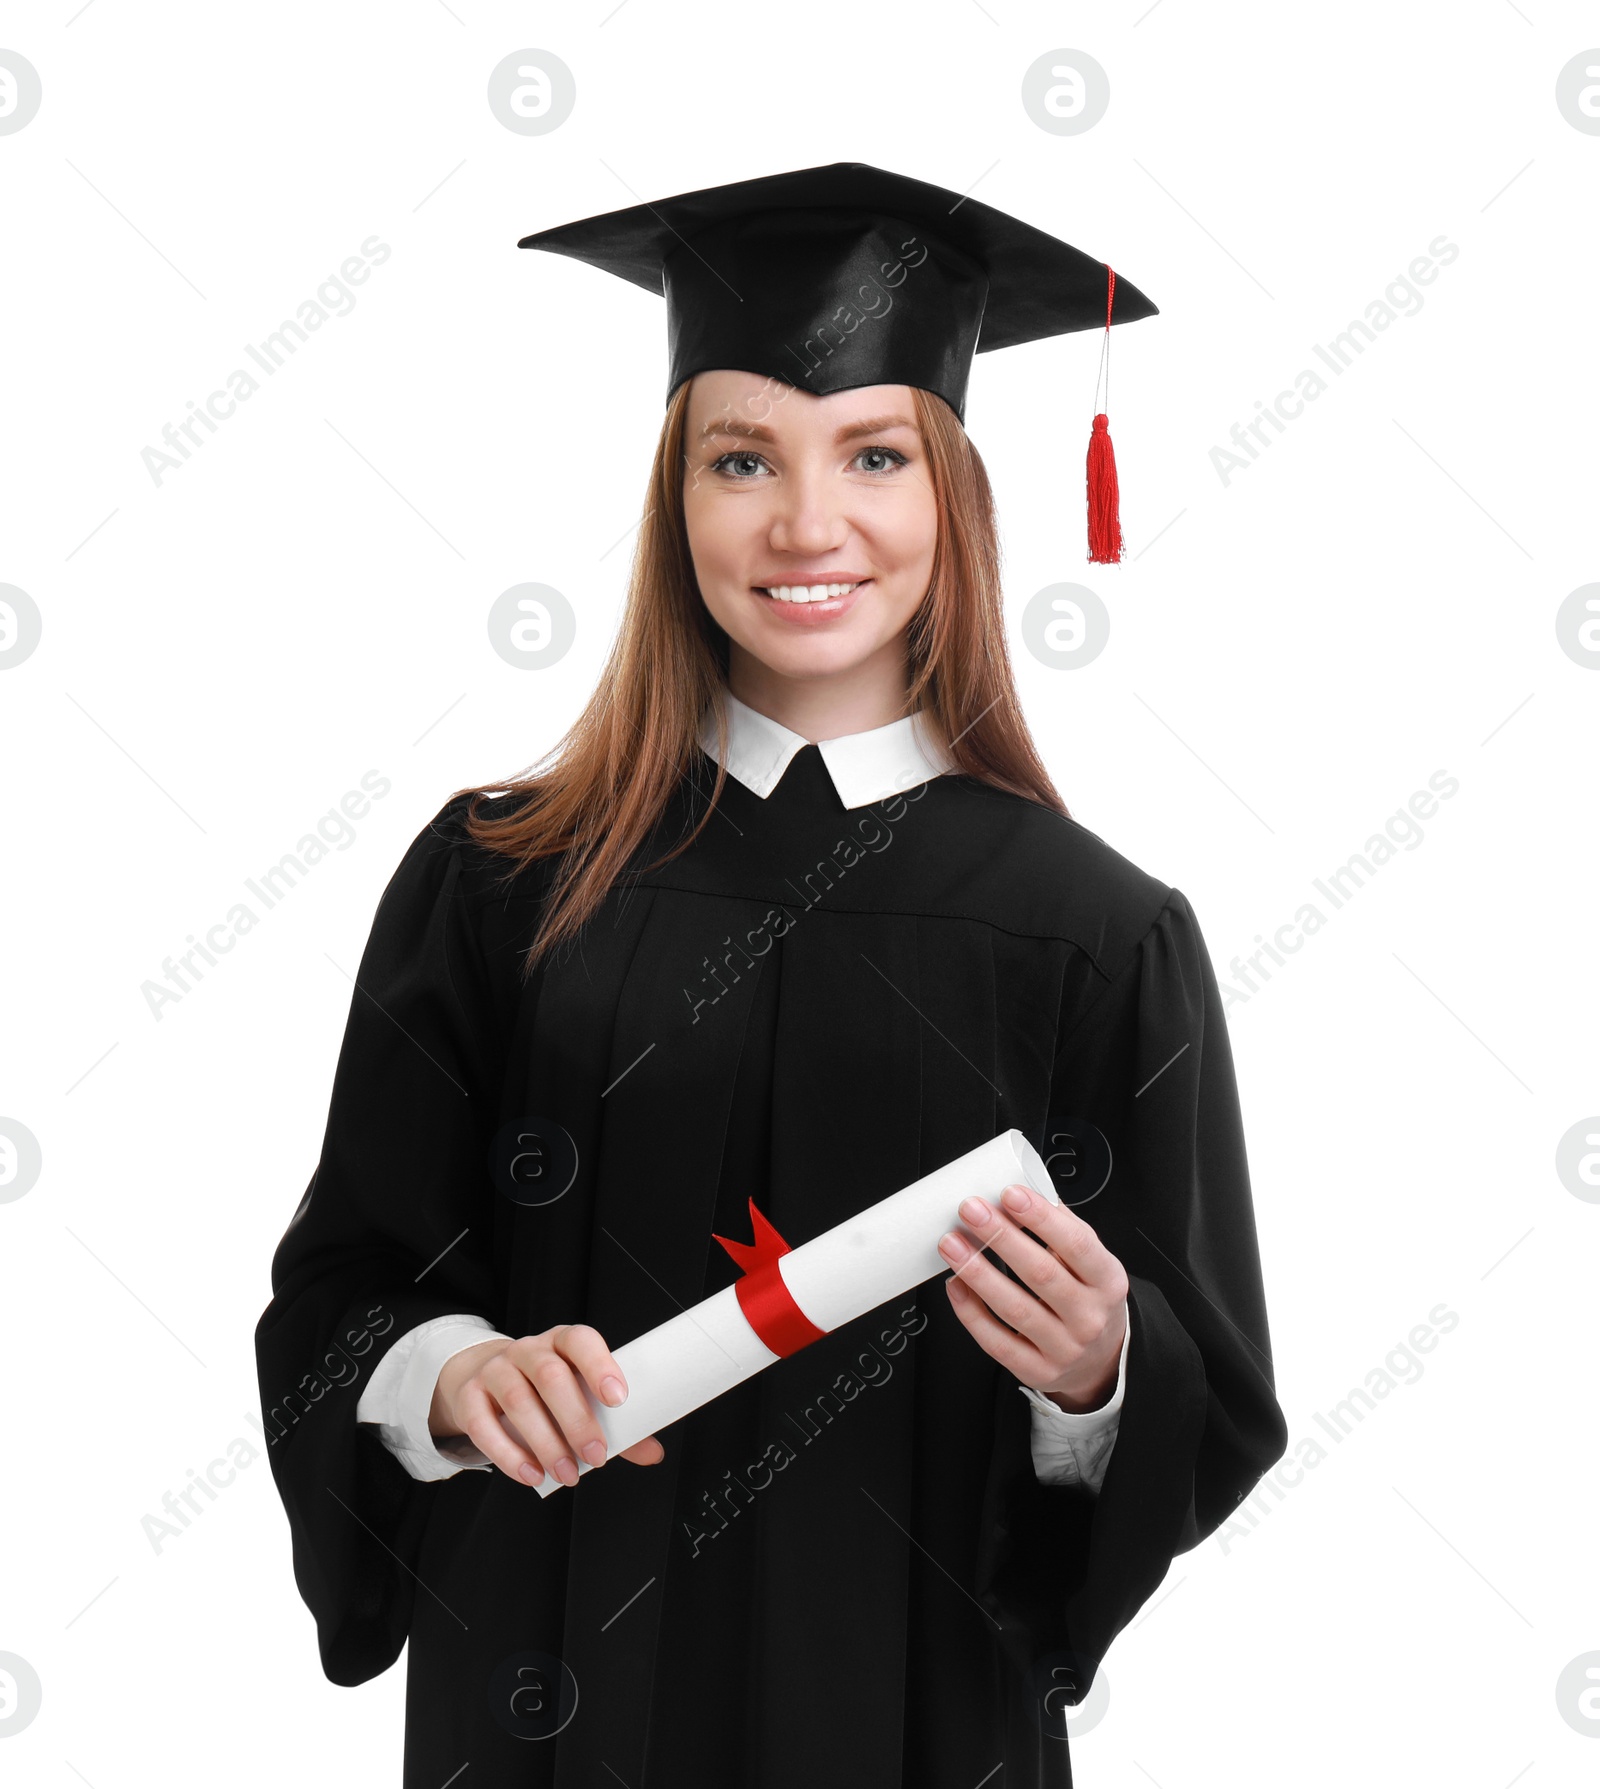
<point x="812" y="614"/>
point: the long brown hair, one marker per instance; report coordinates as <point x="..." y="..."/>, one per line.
<point x="607" y="783"/>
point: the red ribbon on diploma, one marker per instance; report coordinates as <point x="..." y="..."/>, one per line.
<point x="767" y="1303"/>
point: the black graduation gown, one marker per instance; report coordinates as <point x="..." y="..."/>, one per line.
<point x="845" y="1570"/>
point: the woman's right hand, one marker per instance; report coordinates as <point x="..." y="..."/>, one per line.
<point x="537" y="1384"/>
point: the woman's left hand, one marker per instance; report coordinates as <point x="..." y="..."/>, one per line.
<point x="1066" y="1341"/>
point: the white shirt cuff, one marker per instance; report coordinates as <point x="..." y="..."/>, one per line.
<point x="400" y="1395"/>
<point x="1073" y="1447"/>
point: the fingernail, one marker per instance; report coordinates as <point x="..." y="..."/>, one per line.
<point x="976" y="1211"/>
<point x="612" y="1389"/>
<point x="1016" y="1198"/>
<point x="530" y="1475"/>
<point x="595" y="1452"/>
<point x="566" y="1471"/>
<point x="953" y="1245"/>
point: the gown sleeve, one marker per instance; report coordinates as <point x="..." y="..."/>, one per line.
<point x="395" y="1230"/>
<point x="1144" y="1057"/>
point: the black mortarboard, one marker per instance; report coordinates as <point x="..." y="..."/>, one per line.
<point x="848" y="275"/>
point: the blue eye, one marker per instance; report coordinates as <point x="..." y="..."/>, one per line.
<point x="896" y="459"/>
<point x="721" y="464"/>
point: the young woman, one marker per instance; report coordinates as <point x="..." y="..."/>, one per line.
<point x="796" y="916"/>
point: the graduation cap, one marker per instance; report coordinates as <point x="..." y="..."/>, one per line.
<point x="848" y="275"/>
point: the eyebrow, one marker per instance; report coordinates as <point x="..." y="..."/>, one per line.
<point x="755" y="431"/>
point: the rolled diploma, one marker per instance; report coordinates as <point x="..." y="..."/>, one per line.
<point x="835" y="1278"/>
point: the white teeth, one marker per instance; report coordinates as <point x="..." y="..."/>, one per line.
<point x="807" y="593"/>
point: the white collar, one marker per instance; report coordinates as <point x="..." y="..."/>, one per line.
<point x="865" y="767"/>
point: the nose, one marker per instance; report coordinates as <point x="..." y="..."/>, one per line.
<point x="809" y="516"/>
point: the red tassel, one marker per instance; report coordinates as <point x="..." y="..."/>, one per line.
<point x="1105" y="522"/>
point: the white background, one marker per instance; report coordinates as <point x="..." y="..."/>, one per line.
<point x="1293" y="654"/>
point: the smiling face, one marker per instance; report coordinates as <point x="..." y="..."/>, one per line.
<point x="787" y="495"/>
